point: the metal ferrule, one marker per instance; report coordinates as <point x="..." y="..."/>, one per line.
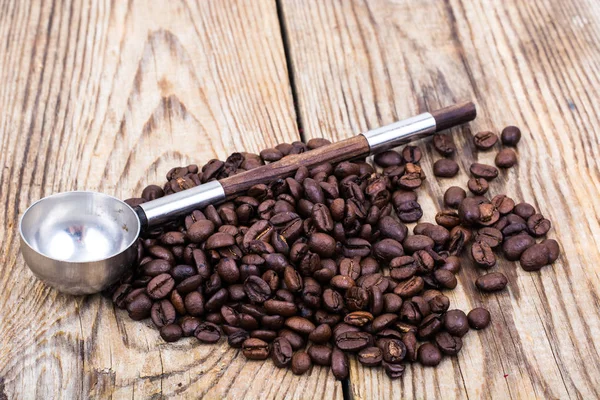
<point x="399" y="133"/>
<point x="168" y="207"/>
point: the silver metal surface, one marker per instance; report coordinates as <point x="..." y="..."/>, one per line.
<point x="399" y="133"/>
<point x="166" y="208"/>
<point x="79" y="242"/>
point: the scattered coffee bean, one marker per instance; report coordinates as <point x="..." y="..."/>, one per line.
<point x="444" y="144"/>
<point x="429" y="355"/>
<point x="454" y="196"/>
<point x="301" y="363"/>
<point x="510" y="136"/>
<point x="478" y="186"/>
<point x="445" y="168"/>
<point x="492" y="282"/>
<point x="506" y="158"/>
<point x="388" y="159"/>
<point x="479" y="318"/>
<point x="485" y="140"/>
<point x="483" y="171"/>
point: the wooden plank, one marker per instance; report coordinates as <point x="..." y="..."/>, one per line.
<point x="109" y="96"/>
<point x="535" y="64"/>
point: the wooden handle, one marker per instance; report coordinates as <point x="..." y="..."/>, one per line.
<point x="454" y="115"/>
<point x="347" y="149"/>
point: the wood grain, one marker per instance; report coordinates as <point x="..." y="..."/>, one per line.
<point x="109" y="96"/>
<point x="535" y="64"/>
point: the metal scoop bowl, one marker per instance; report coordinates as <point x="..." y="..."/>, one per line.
<point x="79" y="242"/>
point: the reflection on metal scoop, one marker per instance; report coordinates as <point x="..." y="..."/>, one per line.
<point x="82" y="242"/>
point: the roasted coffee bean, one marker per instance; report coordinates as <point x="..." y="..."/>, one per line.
<point x="217" y="300"/>
<point x="392" y="303"/>
<point x="479" y="318"/>
<point x="201" y="230"/>
<point x="271" y="155"/>
<point x="448" y="344"/>
<point x="445" y="168"/>
<point x="296" y="341"/>
<point x="283" y="308"/>
<point x="255" y="349"/>
<point x="411" y="154"/>
<point x="444" y="144"/>
<point x="392" y="228"/>
<point x="439" y="304"/>
<point x="388" y="158"/>
<point x="393" y="371"/>
<point x="478" y="186"/>
<point x="172" y="238"/>
<point x="281" y="352"/>
<point x="194" y="304"/>
<point x="447" y="218"/>
<point x="488" y="215"/>
<point x="535" y="257"/>
<point x="219" y="240"/>
<point x="456" y="323"/>
<point x="300" y="325"/>
<point x="454" y="196"/>
<point x="257" y="289"/>
<point x="459" y="237"/>
<point x="413" y="177"/>
<point x="339" y="364"/>
<point x="490" y="236"/>
<point x="387" y="249"/>
<point x="353" y="341"/>
<point x="375" y="300"/>
<point x="514" y="246"/>
<point x="160" y="286"/>
<point x="510" y="136"/>
<point x="553" y="249"/>
<point x="485" y="140"/>
<point x="410" y="288"/>
<point x="409" y="211"/>
<point x="483" y="171"/>
<point x="393" y="351"/>
<point x="503" y="204"/>
<point x="452" y="264"/>
<point x="208" y="332"/>
<point x="322" y="244"/>
<point x="321" y="334"/>
<point x="468" y="211"/>
<point x="429" y="355"/>
<point x="483" y="255"/>
<point x="383" y="321"/>
<point x="445" y="278"/>
<point x="370" y="356"/>
<point x="156" y="267"/>
<point x="506" y="158"/>
<point x="430" y="325"/>
<point x="358" y="318"/>
<point x="417" y="242"/>
<point x="235" y="336"/>
<point x="492" y="282"/>
<point x="317" y="142"/>
<point x="320" y="354"/>
<point x="538" y="225"/>
<point x="301" y="363"/>
<point x="263" y="334"/>
<point x="524" y="210"/>
<point x="402" y="268"/>
<point x="163" y="313"/>
<point x="139" y="307"/>
<point x="171" y="332"/>
<point x="350" y="267"/>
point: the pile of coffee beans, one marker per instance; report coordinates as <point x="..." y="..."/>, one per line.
<point x="309" y="269"/>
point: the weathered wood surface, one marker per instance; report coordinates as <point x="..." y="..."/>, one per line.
<point x="109" y="96"/>
<point x="360" y="64"/>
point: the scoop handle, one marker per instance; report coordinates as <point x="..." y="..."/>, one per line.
<point x="166" y="208"/>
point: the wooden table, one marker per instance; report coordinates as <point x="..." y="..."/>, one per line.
<point x="108" y="96"/>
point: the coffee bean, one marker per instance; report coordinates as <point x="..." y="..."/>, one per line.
<point x="388" y="158"/>
<point x="301" y="363"/>
<point x="255" y="349"/>
<point x="207" y="332"/>
<point x="393" y="351"/>
<point x="524" y="210"/>
<point x="479" y="318"/>
<point x="339" y="364"/>
<point x="439" y="303"/>
<point x="160" y="286"/>
<point x="392" y="303"/>
<point x="411" y="154"/>
<point x="383" y="321"/>
<point x="353" y="341"/>
<point x="387" y="249"/>
<point x="535" y="257"/>
<point x="321" y="334"/>
<point x="538" y="225"/>
<point x="485" y="140"/>
<point x="452" y="264"/>
<point x="171" y="332"/>
<point x="320" y="354"/>
<point x="139" y="307"/>
<point x="417" y="242"/>
<point x="403" y="267"/>
<point x="553" y="249"/>
<point x="456" y="323"/>
<point x="453" y="196"/>
<point x="392" y="228"/>
<point x="412" y="178"/>
<point x="322" y="244"/>
<point x="483" y="255"/>
<point x="447" y="218"/>
<point x="503" y="204"/>
<point x="445" y="278"/>
<point x="444" y="144"/>
<point x="430" y="325"/>
<point x="219" y="240"/>
<point x="393" y="371"/>
<point x="483" y="171"/>
<point x="514" y="246"/>
<point x="510" y="136"/>
<point x="163" y="313"/>
<point x="490" y="236"/>
<point x="429" y="355"/>
<point x="200" y="231"/>
<point x="506" y="158"/>
<point x="492" y="282"/>
<point x="448" y="344"/>
<point x="281" y="352"/>
<point x="194" y="304"/>
<point x="300" y="325"/>
<point x="257" y="290"/>
<point x="370" y="356"/>
<point x="445" y="168"/>
<point x="410" y="288"/>
<point x="478" y="186"/>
